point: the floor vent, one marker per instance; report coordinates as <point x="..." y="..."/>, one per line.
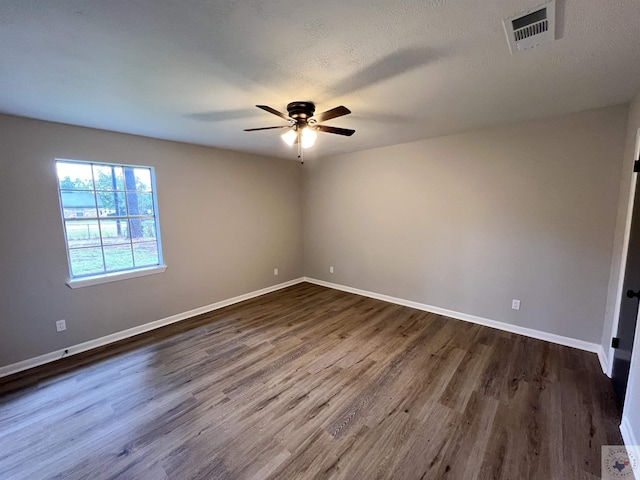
<point x="532" y="29"/>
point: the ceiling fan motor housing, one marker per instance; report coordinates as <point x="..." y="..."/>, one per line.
<point x="301" y="116"/>
<point x="301" y="111"/>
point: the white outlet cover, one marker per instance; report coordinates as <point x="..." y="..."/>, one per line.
<point x="275" y="271"/>
<point x="61" y="325"/>
<point x="330" y="269"/>
<point x="515" y="304"/>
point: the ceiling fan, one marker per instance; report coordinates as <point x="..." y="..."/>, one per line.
<point x="303" y="124"/>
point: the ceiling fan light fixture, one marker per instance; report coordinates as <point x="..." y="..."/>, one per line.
<point x="289" y="137"/>
<point x="308" y="137"/>
<point x="304" y="124"/>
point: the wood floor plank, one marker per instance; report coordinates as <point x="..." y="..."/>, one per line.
<point x="309" y="382"/>
<point x="464" y="456"/>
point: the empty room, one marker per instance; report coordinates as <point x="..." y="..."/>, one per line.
<point x="304" y="240"/>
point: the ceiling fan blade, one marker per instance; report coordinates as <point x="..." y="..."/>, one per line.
<point x="274" y="111"/>
<point x="265" y="128"/>
<point x="340" y="131"/>
<point x="333" y="113"/>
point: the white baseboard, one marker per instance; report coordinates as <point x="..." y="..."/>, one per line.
<point x="611" y="353"/>
<point x="604" y="361"/>
<point x="529" y="332"/>
<point x="114" y="337"/>
<point x="631" y="443"/>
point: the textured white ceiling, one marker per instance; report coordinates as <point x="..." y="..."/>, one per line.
<point x="192" y="70"/>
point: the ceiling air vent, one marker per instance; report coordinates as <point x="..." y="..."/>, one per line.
<point x="532" y="29"/>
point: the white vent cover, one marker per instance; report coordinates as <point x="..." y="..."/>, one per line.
<point x="532" y="29"/>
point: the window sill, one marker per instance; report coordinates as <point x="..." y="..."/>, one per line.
<point x="115" y="277"/>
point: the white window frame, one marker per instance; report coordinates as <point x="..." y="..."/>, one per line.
<point x="78" y="281"/>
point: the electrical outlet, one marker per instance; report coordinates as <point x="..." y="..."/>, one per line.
<point x="515" y="304"/>
<point x="330" y="269"/>
<point x="275" y="271"/>
<point x="61" y="325"/>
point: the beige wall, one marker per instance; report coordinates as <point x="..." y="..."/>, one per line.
<point x="469" y="222"/>
<point x="465" y="222"/>
<point x="227" y="221"/>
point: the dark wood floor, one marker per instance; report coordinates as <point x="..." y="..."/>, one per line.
<point x="310" y="382"/>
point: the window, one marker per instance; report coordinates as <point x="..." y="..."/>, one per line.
<point x="110" y="219"/>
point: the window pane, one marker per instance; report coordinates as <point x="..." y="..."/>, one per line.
<point x="86" y="261"/>
<point x="145" y="253"/>
<point x="118" y="257"/>
<point x="140" y="203"/>
<point x="114" y="231"/>
<point x="74" y="176"/>
<point x="137" y="231"/>
<point x="76" y="203"/>
<point x="83" y="233"/>
<point x="138" y="179"/>
<point x="108" y="177"/>
<point x="112" y="204"/>
<point x="143" y="229"/>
